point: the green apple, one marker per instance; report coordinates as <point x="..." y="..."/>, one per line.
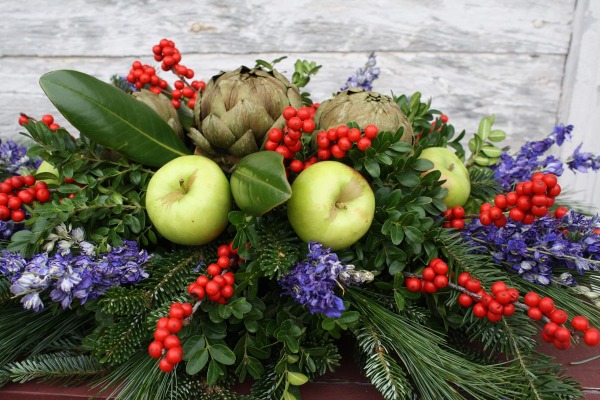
<point x="46" y="167"/>
<point x="188" y="200"/>
<point x="331" y="203"/>
<point x="453" y="172"/>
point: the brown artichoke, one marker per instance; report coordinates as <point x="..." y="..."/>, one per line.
<point x="238" y="108"/>
<point x="163" y="107"/>
<point x="363" y="107"/>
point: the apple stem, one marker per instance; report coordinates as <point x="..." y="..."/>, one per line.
<point x="451" y="167"/>
<point x="181" y="182"/>
<point x="341" y="205"/>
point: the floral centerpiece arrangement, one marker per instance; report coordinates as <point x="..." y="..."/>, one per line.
<point x="195" y="235"/>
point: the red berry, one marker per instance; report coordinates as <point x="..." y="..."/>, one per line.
<point x="440" y="281"/>
<point x="440" y="267"/>
<point x="473" y="285"/>
<point x="176" y="311"/>
<point x="162" y="322"/>
<point x="223" y="250"/>
<point x="47" y="119"/>
<point x="538" y="187"/>
<point x="332" y="134"/>
<point x="337" y="152"/>
<point x="539" y="211"/>
<point x="562" y="334"/>
<point x="308" y="126"/>
<point x="550" y="180"/>
<point x="500" y="201"/>
<point x="219" y="280"/>
<point x="465" y="300"/>
<point x="429" y="287"/>
<point x="371" y="131"/>
<point x="202" y="280"/>
<point x="554" y="191"/>
<point x="444" y="118"/>
<point x="511" y="198"/>
<point x="174" y="355"/>
<point x="529" y="218"/>
<point x="284" y="151"/>
<point x="289" y="112"/>
<point x="174" y="325"/>
<point x="23" y="120"/>
<point x="197" y="291"/>
<point x="271" y="145"/>
<point x="486" y="299"/>
<point x="503" y="297"/>
<point x="14" y="203"/>
<point x="485" y="207"/>
<point x="4" y="213"/>
<point x="227" y="291"/>
<point x="17" y="181"/>
<point x="495" y="213"/>
<point x="344" y="143"/>
<point x="294" y="123"/>
<point x="229" y="278"/>
<point x="354" y="135"/>
<point x="429" y="274"/>
<point x="413" y="284"/>
<point x="535" y="313"/>
<point x="500" y="222"/>
<point x="508" y="310"/>
<point x="550" y="329"/>
<point x="527" y="188"/>
<point x="42" y="195"/>
<point x="463" y="278"/>
<point x="493" y="317"/>
<point x="516" y="214"/>
<point x="363" y="143"/>
<point x="514" y="294"/>
<point x="324" y="154"/>
<point x="171" y="341"/>
<point x="580" y="323"/>
<point x="546" y="305"/>
<point x="561" y="211"/>
<point x="165" y="366"/>
<point x="161" y="334"/>
<point x="29" y="180"/>
<point x="591" y="337"/>
<point x="304" y="113"/>
<point x="498" y="287"/>
<point x="479" y="310"/>
<point x="296" y="166"/>
<point x="485" y="218"/>
<point x="458" y="224"/>
<point x="342" y="131"/>
<point x="539" y="200"/>
<point x="17" y="215"/>
<point x="275" y="135"/>
<point x="458" y="212"/>
<point x="531" y="299"/>
<point x="212" y="288"/>
<point x="223" y="262"/>
<point x="558" y="316"/>
<point x="26" y="196"/>
<point x="155" y="349"/>
<point x="187" y="309"/>
<point x="524" y="203"/>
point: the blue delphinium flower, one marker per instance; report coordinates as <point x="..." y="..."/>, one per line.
<point x="74" y="272"/>
<point x="363" y="77"/>
<point x="14" y="159"/>
<point x="583" y="162"/>
<point x="538" y="251"/>
<point x="312" y="282"/>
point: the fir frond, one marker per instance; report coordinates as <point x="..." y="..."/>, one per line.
<point x="483" y="184"/>
<point x="121" y="83"/>
<point x="278" y="249"/>
<point x="383" y="370"/>
<point x="268" y="387"/>
<point x="27" y="332"/>
<point x="121" y="340"/>
<point x="64" y="367"/>
<point x="436" y="371"/>
<point x="5" y="294"/>
<point x="123" y="301"/>
<point x="172" y="272"/>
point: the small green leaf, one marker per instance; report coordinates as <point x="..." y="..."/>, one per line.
<point x="259" y="183"/>
<point x="485" y="127"/>
<point x="399" y="299"/>
<point x="197" y="362"/>
<point x="491" y="151"/>
<point x="296" y="378"/>
<point x="413" y="234"/>
<point x="213" y="373"/>
<point x="372" y="167"/>
<point x="288" y="396"/>
<point x="222" y="354"/>
<point x="497" y="135"/>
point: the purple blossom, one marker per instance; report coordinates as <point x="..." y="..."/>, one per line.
<point x="66" y="276"/>
<point x="546" y="251"/>
<point x="14" y="159"/>
<point x="363" y="77"/>
<point x="582" y="162"/>
<point x="312" y="282"/>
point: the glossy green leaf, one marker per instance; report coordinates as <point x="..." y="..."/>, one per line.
<point x="197" y="362"/>
<point x="296" y="378"/>
<point x="112" y="118"/>
<point x="497" y="135"/>
<point x="258" y="183"/>
<point x="222" y="354"/>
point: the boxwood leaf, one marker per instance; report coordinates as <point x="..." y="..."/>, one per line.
<point x="112" y="118"/>
<point x="258" y="183"/>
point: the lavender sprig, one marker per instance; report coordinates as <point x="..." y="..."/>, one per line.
<point x="536" y="251"/>
<point x="312" y="282"/>
<point x="74" y="272"/>
<point x="14" y="159"/>
<point x="363" y="77"/>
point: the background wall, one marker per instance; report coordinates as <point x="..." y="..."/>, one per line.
<point x="532" y="63"/>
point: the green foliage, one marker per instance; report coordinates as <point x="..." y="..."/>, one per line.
<point x="112" y="118"/>
<point x="303" y="69"/>
<point x="64" y="367"/>
<point x="483" y="150"/>
<point x="483" y="188"/>
<point x="108" y="193"/>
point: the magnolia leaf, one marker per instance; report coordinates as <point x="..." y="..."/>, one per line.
<point x="112" y="118"/>
<point x="258" y="183"/>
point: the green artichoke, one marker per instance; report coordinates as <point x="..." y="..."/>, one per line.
<point x="363" y="107"/>
<point x="238" y="108"/>
<point x="163" y="107"/>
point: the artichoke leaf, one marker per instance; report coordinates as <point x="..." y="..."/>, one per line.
<point x="259" y="184"/>
<point x="199" y="140"/>
<point x="247" y="115"/>
<point x="112" y="118"/>
<point x="244" y="145"/>
<point x="217" y="133"/>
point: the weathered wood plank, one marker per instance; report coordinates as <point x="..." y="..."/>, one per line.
<point x="123" y="27"/>
<point x="580" y="104"/>
<point x="522" y="91"/>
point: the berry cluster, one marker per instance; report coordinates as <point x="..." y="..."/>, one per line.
<point x="454" y="218"/>
<point x="443" y="120"/>
<point x="435" y="277"/>
<point x="218" y="285"/>
<point x="145" y="76"/>
<point x="46" y="119"/>
<point x="166" y="340"/>
<point x="288" y="141"/>
<point x="530" y="199"/>
<point x="17" y="191"/>
<point x="335" y="142"/>
<point x="502" y="301"/>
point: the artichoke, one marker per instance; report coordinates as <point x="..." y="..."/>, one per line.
<point x="163" y="107"/>
<point x="363" y="107"/>
<point x="238" y="108"/>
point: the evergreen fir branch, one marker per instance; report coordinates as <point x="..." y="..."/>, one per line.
<point x="483" y="185"/>
<point x="436" y="371"/>
<point x="5" y="294"/>
<point x="383" y="370"/>
<point x="121" y="340"/>
<point x="172" y="272"/>
<point x="268" y="387"/>
<point x="64" y="367"/>
<point x="123" y="301"/>
<point x="25" y="332"/>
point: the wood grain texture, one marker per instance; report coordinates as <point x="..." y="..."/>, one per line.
<point x="120" y="27"/>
